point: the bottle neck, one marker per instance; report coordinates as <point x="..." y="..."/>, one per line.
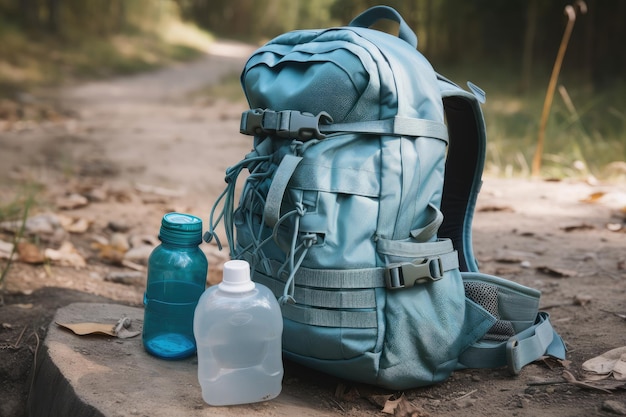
<point x="178" y="244"/>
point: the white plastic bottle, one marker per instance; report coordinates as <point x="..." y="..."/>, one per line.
<point x="238" y="329"/>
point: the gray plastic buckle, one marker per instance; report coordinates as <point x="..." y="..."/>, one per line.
<point x="252" y="122"/>
<point x="304" y="126"/>
<point x="409" y="274"/>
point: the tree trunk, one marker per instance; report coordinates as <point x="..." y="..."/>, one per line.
<point x="529" y="41"/>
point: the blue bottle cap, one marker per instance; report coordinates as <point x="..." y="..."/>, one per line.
<point x="182" y="229"/>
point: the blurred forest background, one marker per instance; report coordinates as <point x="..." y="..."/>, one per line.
<point x="506" y="47"/>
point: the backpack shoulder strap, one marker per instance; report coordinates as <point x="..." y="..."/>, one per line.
<point x="464" y="166"/>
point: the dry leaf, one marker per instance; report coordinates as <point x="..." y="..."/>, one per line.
<point x="577" y="227"/>
<point x="66" y="255"/>
<point x="83" y="329"/>
<point x="120" y="329"/>
<point x="609" y="363"/>
<point x="593" y="197"/>
<point x="400" y="407"/>
<point x="557" y="272"/>
<point x="73" y="225"/>
<point x="30" y="253"/>
<point x="108" y="252"/>
<point x="391" y="405"/>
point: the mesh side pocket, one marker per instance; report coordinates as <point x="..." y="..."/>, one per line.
<point x="486" y="295"/>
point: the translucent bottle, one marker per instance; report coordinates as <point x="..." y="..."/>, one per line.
<point x="238" y="328"/>
<point x="177" y="272"/>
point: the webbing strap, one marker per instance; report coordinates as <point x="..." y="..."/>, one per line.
<point x="525" y="347"/>
<point x="277" y="190"/>
<point x="396" y="126"/>
<point x="327" y="278"/>
<point x="358" y="298"/>
<point x="330" y="318"/>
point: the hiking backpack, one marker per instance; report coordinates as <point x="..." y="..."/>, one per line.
<point x="357" y="206"/>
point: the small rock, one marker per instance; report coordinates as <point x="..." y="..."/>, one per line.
<point x="72" y="201"/>
<point x="6" y="248"/>
<point x="119" y="241"/>
<point x="141" y="240"/>
<point x="41" y="224"/>
<point x="614" y="407"/>
<point x="139" y="254"/>
<point x="98" y="194"/>
<point x="118" y="226"/>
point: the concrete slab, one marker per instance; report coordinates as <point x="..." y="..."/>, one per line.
<point x="103" y="376"/>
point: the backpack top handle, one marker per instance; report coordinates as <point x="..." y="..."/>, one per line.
<point x="376" y="13"/>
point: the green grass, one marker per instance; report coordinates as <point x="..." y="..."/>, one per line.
<point x="18" y="209"/>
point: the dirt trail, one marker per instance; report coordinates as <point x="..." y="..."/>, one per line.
<point x="137" y="147"/>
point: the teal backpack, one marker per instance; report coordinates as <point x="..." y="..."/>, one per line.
<point x="357" y="206"/>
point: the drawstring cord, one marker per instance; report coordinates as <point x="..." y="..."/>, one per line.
<point x="308" y="240"/>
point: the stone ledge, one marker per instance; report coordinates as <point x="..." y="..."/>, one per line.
<point x="100" y="376"/>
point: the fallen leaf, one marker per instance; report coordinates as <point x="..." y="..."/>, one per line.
<point x="391" y="405"/>
<point x="557" y="272"/>
<point x="577" y="227"/>
<point x="66" y="255"/>
<point x="609" y="363"/>
<point x="108" y="253"/>
<point x="74" y="225"/>
<point x="401" y="407"/>
<point x="120" y="329"/>
<point x="593" y="197"/>
<point x="29" y="253"/>
<point x="83" y="329"/>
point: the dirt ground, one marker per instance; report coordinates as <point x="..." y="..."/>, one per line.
<point x="113" y="156"/>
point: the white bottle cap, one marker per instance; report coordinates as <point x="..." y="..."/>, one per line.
<point x="236" y="278"/>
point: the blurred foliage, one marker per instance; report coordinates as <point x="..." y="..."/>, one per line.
<point x="507" y="47"/>
<point x="46" y="42"/>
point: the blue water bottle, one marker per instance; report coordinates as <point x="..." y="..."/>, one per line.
<point x="177" y="272"/>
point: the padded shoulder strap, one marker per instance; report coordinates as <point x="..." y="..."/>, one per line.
<point x="464" y="167"/>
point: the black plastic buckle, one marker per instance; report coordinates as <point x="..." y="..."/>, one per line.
<point x="409" y="274"/>
<point x="285" y="123"/>
<point x="252" y="122"/>
<point x="304" y="126"/>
